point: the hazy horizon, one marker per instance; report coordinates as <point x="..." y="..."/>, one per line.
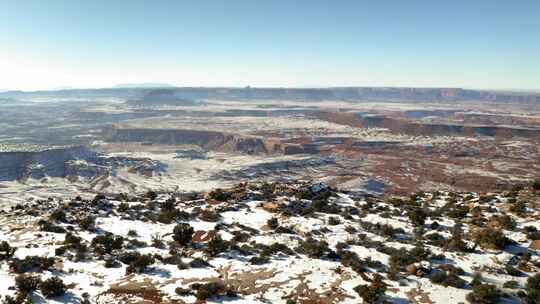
<point x="99" y="44"/>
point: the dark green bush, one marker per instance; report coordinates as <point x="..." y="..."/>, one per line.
<point x="183" y="233"/>
<point x="26" y="284"/>
<point x="52" y="287"/>
<point x="87" y="223"/>
<point x="272" y="223"/>
<point x="533" y="287"/>
<point x="374" y="292"/>
<point x="107" y="242"/>
<point x="491" y="238"/>
<point x="417" y="216"/>
<point x="209" y="290"/>
<point x="6" y="251"/>
<point x="216" y="246"/>
<point x="209" y="215"/>
<point x="140" y="264"/>
<point x="313" y="248"/>
<point x="58" y="215"/>
<point x="483" y="294"/>
<point x="333" y="221"/>
<point x="31" y="263"/>
<point x="50" y="227"/>
<point x="445" y="279"/>
<point x="536" y="185"/>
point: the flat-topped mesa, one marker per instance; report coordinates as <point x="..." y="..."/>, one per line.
<point x="398" y="125"/>
<point x="207" y="139"/>
<point x="56" y="162"/>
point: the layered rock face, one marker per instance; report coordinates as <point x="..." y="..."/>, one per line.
<point x="428" y="129"/>
<point x="59" y="162"/>
<point x="210" y="140"/>
<point x="71" y="162"/>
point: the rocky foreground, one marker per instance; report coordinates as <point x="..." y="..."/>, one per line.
<point x="274" y="243"/>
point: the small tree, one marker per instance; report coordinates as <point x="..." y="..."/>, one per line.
<point x="374" y="292"/>
<point x="533" y="288"/>
<point x="183" y="233"/>
<point x="483" y="294"/>
<point x="52" y="287"/>
<point x="417" y="216"/>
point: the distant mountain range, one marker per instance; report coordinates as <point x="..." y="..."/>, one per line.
<point x="142" y="85"/>
<point x="303" y="94"/>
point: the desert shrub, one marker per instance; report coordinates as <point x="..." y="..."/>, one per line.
<point x="536" y="185"/>
<point x="58" y="215"/>
<point x="259" y="260"/>
<point x="456" y="242"/>
<point x="351" y="259"/>
<point x="491" y="238"/>
<point x="26" y="284"/>
<point x="31" y="263"/>
<point x="533" y="287"/>
<point x="419" y="252"/>
<point x="511" y="270"/>
<point x="313" y="248"/>
<point x="216" y="246"/>
<point x="157" y="241"/>
<point x="71" y="240"/>
<point x="50" y="227"/>
<point x="6" y="251"/>
<point x="436" y="239"/>
<point x="273" y="223"/>
<point x="151" y="195"/>
<point x="183" y="291"/>
<point x="402" y="258"/>
<point x="60" y="250"/>
<point x="240" y="237"/>
<point x="483" y="294"/>
<point x="198" y="263"/>
<point x="333" y="221"/>
<point x="417" y="216"/>
<point x="219" y="195"/>
<point x="285" y="230"/>
<point x="511" y="284"/>
<point x="209" y="215"/>
<point x="168" y="205"/>
<point x="208" y="290"/>
<point x="123" y="207"/>
<point x="374" y="292"/>
<point x="87" y="223"/>
<point x="170" y="216"/>
<point x="111" y="263"/>
<point x="504" y="221"/>
<point x="132" y="233"/>
<point x="128" y="257"/>
<point x="107" y="242"/>
<point x="52" y="287"/>
<point x="275" y="248"/>
<point x="445" y="279"/>
<point x="140" y="264"/>
<point x="20" y="298"/>
<point x="458" y="212"/>
<point x="183" y="233"/>
<point x="519" y="207"/>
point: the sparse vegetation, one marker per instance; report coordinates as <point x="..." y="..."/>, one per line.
<point x="183" y="233"/>
<point x="52" y="287"/>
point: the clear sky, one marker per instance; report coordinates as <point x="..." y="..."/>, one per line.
<point x="96" y="43"/>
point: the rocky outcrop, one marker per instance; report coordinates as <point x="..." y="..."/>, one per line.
<point x="70" y="162"/>
<point x="428" y="129"/>
<point x="209" y="140"/>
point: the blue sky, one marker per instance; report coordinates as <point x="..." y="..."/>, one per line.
<point x="475" y="43"/>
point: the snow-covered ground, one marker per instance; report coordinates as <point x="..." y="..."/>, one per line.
<point x="303" y="236"/>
